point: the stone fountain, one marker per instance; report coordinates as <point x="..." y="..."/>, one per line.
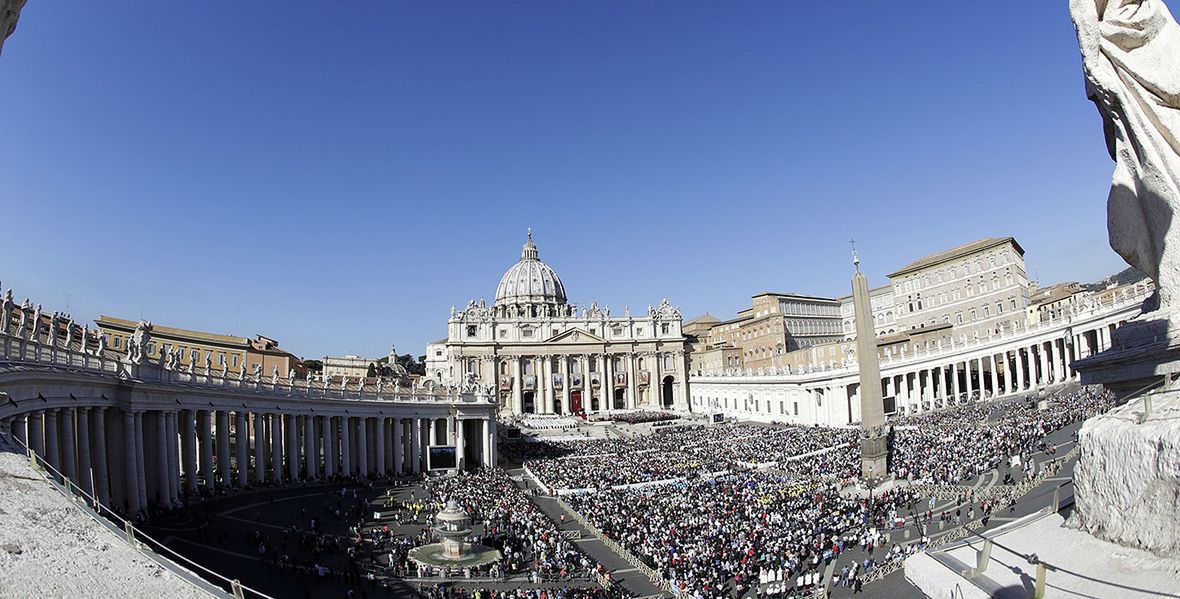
<point x="451" y="527"/>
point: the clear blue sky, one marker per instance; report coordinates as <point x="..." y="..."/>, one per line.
<point x="337" y="175"/>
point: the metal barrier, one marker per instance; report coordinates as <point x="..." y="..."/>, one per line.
<point x="137" y="539"/>
<point x="617" y="548"/>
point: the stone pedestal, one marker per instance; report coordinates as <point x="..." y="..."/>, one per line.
<point x="1127" y="481"/>
<point x="1128" y="473"/>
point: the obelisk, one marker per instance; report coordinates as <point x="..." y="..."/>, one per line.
<point x="872" y="411"/>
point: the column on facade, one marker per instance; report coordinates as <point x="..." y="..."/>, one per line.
<point x="241" y="447"/>
<point x="544" y="405"/>
<point x="130" y="478"/>
<point x="362" y="439"/>
<point x="223" y="455"/>
<point x="905" y="390"/>
<point x="98" y="456"/>
<point x="587" y="386"/>
<point x="608" y="381"/>
<point x="632" y="384"/>
<point x="517" y="386"/>
<point x="346" y="446"/>
<point x="188" y="445"/>
<point x="565" y="383"/>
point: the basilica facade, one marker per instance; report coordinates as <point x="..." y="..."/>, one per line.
<point x="548" y="356"/>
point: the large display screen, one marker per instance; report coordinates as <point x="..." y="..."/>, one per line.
<point x="442" y="457"/>
<point x="718" y="417"/>
<point x="890" y="404"/>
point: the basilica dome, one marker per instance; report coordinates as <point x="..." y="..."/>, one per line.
<point x="530" y="281"/>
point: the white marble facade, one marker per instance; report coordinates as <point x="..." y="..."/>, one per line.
<point x="547" y="356"/>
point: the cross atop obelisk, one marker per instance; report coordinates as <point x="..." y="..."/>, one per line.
<point x="873" y="441"/>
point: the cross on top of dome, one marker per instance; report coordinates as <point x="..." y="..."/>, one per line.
<point x="529" y="251"/>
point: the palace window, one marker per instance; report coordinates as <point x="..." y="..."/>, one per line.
<point x="664" y="328"/>
<point x="235" y="362"/>
<point x="470" y="330"/>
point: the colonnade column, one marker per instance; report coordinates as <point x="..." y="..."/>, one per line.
<point x="416" y="444"/>
<point x="967" y="378"/>
<point x="275" y="429"/>
<point x="460" y="444"/>
<point x="85" y="469"/>
<point x="955" y="382"/>
<point x="292" y="446"/>
<point x="995" y="375"/>
<point x="163" y="476"/>
<point x="205" y="426"/>
<point x="69" y="465"/>
<point x="36" y="424"/>
<point x="486" y="443"/>
<point x="241" y="445"/>
<point x="173" y="458"/>
<point x="309" y="448"/>
<point x="395" y="447"/>
<point x="1020" y="371"/>
<point x="189" y="451"/>
<point x="98" y="454"/>
<point x="223" y="446"/>
<point x="140" y="472"/>
<point x="130" y="478"/>
<point x="331" y="452"/>
<point x="346" y="445"/>
<point x="362" y="448"/>
<point x="20" y="429"/>
<point x="379" y="445"/>
<point x="259" y="449"/>
<point x="52" y="451"/>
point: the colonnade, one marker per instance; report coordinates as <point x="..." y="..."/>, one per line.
<point x="130" y="459"/>
<point x="916" y="383"/>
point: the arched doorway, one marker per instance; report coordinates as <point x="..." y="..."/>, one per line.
<point x="526" y="400"/>
<point x="620" y="401"/>
<point x="666" y="396"/>
<point x="594" y="403"/>
<point x="576" y="401"/>
<point x="557" y="403"/>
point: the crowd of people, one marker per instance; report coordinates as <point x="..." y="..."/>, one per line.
<point x="457" y="591"/>
<point x="643" y="417"/>
<point x="681" y="452"/>
<point x="952" y="446"/>
<point x="527" y="538"/>
<point x="717" y="537"/>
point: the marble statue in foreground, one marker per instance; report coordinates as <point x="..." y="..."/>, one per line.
<point x="1131" y="58"/>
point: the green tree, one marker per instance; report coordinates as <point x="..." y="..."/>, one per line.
<point x="315" y="366"/>
<point x="372" y="372"/>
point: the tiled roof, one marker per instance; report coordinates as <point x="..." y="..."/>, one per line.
<point x="956" y="252"/>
